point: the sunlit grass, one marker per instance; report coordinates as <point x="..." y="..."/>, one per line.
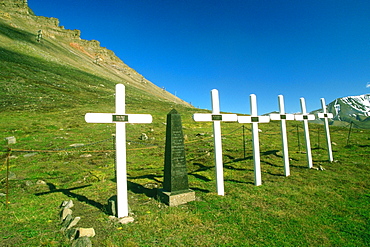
<point x="308" y="208"/>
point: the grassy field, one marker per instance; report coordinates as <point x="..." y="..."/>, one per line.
<point x="309" y="208"/>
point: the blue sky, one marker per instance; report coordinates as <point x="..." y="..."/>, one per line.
<point x="298" y="48"/>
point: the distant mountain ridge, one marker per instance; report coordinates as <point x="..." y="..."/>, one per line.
<point x="355" y="109"/>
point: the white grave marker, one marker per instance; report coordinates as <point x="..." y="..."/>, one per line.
<point x="325" y="115"/>
<point x="283" y="118"/>
<point x="305" y="117"/>
<point x="216" y="118"/>
<point x="254" y="119"/>
<point x="120" y="118"/>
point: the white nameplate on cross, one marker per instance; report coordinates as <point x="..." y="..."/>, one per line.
<point x="283" y="118"/>
<point x="254" y="119"/>
<point x="325" y="115"/>
<point x="305" y="117"/>
<point x="216" y="118"/>
<point x="120" y="118"/>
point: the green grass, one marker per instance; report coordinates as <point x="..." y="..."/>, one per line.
<point x="45" y="91"/>
<point x="309" y="208"/>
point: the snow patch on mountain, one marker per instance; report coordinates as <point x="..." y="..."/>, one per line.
<point x="337" y="108"/>
<point x="359" y="103"/>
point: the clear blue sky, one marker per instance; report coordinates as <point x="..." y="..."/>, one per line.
<point x="297" y="48"/>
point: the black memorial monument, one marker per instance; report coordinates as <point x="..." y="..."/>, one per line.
<point x="175" y="184"/>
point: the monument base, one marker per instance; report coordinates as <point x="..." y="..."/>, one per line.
<point x="176" y="198"/>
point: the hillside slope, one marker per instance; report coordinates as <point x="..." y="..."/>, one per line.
<point x="59" y="69"/>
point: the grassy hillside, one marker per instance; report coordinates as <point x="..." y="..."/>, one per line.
<point x="62" y="70"/>
<point x="45" y="91"/>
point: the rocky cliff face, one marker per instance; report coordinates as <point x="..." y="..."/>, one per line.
<point x="91" y="56"/>
<point x="20" y="6"/>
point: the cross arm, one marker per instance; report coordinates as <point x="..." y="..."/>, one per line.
<point x="206" y="117"/>
<point x="278" y="116"/>
<point x="117" y="118"/>
<point x="253" y="119"/>
<point x="301" y="117"/>
<point x="325" y="115"/>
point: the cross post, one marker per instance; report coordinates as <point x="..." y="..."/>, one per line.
<point x="283" y="118"/>
<point x="120" y="118"/>
<point x="216" y="117"/>
<point x="305" y="117"/>
<point x="254" y="119"/>
<point x="325" y="115"/>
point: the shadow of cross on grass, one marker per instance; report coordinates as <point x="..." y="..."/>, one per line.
<point x="149" y="189"/>
<point x="67" y="192"/>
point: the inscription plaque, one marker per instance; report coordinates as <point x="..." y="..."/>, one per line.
<point x="217" y="117"/>
<point x="120" y="118"/>
<point x="255" y="119"/>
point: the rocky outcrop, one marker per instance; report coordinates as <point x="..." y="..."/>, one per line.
<point x="19" y="6"/>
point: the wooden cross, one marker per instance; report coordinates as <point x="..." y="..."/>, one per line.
<point x="120" y="118"/>
<point x="325" y="115"/>
<point x="283" y="118"/>
<point x="305" y="117"/>
<point x="254" y="119"/>
<point x="216" y="117"/>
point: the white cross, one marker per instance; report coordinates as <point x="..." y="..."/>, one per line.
<point x="325" y="115"/>
<point x="216" y="118"/>
<point x="120" y="118"/>
<point x="283" y="118"/>
<point x="254" y="119"/>
<point x="305" y="117"/>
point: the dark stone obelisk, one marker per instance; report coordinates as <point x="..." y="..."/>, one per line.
<point x="175" y="184"/>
